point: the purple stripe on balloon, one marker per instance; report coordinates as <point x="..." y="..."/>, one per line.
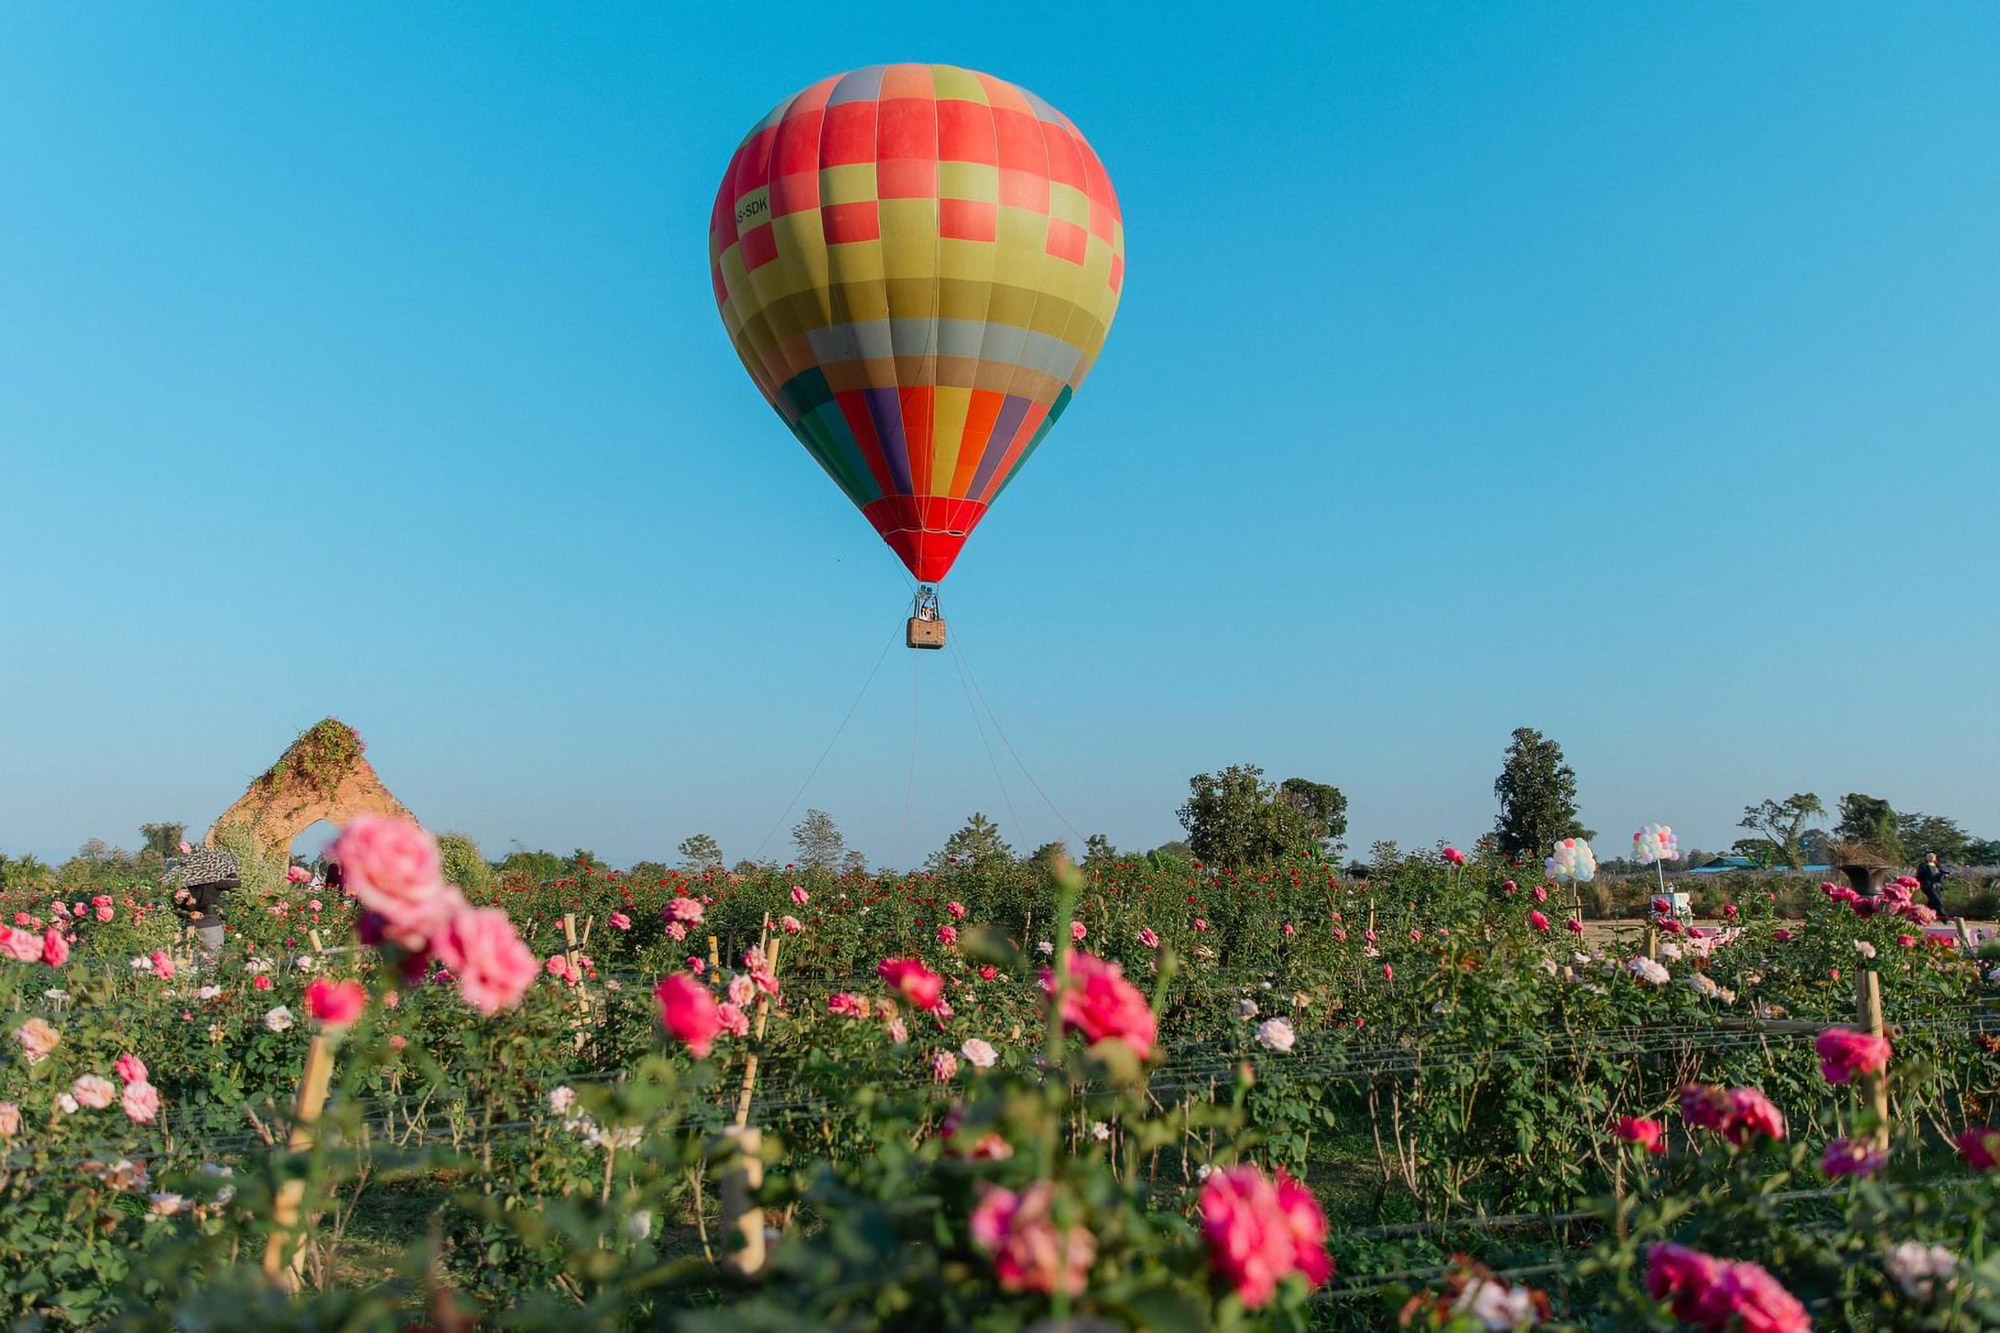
<point x="1005" y="427"/>
<point x="885" y="406"/>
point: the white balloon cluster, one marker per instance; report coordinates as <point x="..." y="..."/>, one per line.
<point x="1655" y="843"/>
<point x="1573" y="860"/>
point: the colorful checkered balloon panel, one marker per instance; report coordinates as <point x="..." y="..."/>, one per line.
<point x="918" y="265"/>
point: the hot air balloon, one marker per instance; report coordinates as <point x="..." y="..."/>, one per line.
<point x="918" y="265"/>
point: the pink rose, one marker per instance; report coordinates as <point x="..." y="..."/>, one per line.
<point x="24" y="946"/>
<point x="262" y="982"/>
<point x="37" y="1039"/>
<point x="1030" y="1252"/>
<point x="1148" y="938"/>
<point x="1538" y="921"/>
<point x="944" y="1066"/>
<point x="1104" y="1006"/>
<point x="10" y="1120"/>
<point x="846" y="1005"/>
<point x="391" y="867"/>
<point x="163" y="966"/>
<point x="956" y="909"/>
<point x="337" y="1004"/>
<point x="619" y="921"/>
<point x="494" y="967"/>
<point x="799" y="895"/>
<point x="298" y="875"/>
<point x="1681" y="1277"/>
<point x="1574" y="926"/>
<point x="1077" y="932"/>
<point x="742" y="990"/>
<point x="695" y="965"/>
<point x="915" y="982"/>
<point x="689" y="1012"/>
<point x="1977" y="1145"/>
<point x="105" y="913"/>
<point x="947" y="936"/>
<point x="141" y="1101"/>
<point x="676" y="931"/>
<point x="1453" y="856"/>
<point x="55" y="949"/>
<point x="684" y="910"/>
<point x="1201" y="925"/>
<point x="1846" y="1054"/>
<point x="1852" y="1157"/>
<point x="1541" y="894"/>
<point x="1716" y="1295"/>
<point x="733" y="1020"/>
<point x="131" y="1069"/>
<point x="314" y="906"/>
<point x="1648" y="1134"/>
<point x="93" y="1090"/>
<point x="1261" y="1231"/>
<point x="792" y="925"/>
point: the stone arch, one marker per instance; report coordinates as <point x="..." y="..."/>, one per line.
<point x="324" y="774"/>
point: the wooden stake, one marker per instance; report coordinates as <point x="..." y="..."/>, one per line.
<point x="318" y="945"/>
<point x="306" y="1109"/>
<point x="588" y="922"/>
<point x="750" y="1061"/>
<point x="1868" y="1010"/>
<point x="739" y="1216"/>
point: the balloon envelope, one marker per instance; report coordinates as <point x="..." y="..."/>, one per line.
<point x="918" y="265"/>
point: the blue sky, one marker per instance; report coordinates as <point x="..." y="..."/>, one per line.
<point x="1622" y="371"/>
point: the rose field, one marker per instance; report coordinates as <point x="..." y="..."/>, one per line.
<point x="1134" y="1095"/>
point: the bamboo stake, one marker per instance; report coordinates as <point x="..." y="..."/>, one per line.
<point x="306" y="1110"/>
<point x="319" y="946"/>
<point x="738" y="1214"/>
<point x="1868" y="1009"/>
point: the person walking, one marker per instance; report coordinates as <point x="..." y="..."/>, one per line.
<point x="199" y="880"/>
<point x="1930" y="878"/>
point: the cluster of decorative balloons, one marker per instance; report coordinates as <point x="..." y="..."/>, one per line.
<point x="1655" y="843"/>
<point x="1573" y="861"/>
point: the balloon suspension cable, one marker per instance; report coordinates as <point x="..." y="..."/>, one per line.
<point x="926" y="626"/>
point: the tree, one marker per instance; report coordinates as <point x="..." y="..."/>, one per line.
<point x="1782" y="826"/>
<point x="534" y="867"/>
<point x="1235" y="818"/>
<point x="165" y="839"/>
<point x="461" y="863"/>
<point x="819" y="843"/>
<point x="1537" y="792"/>
<point x="854" y="862"/>
<point x="1982" y="852"/>
<point x="1324" y="807"/>
<point x="1171" y="853"/>
<point x="1922" y="834"/>
<point x="1097" y="850"/>
<point x="700" y="853"/>
<point x="1046" y="854"/>
<point x="977" y="844"/>
<point x="648" y="872"/>
<point x="1871" y="822"/>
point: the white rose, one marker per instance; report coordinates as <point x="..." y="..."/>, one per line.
<point x="278" y="1019"/>
<point x="1275" y="1034"/>
<point x="980" y="1053"/>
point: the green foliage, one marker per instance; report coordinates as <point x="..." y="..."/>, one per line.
<point x="976" y="846"/>
<point x="1870" y="822"/>
<point x="1537" y="792"/>
<point x="257" y="871"/>
<point x="163" y="839"/>
<point x="463" y="865"/>
<point x="700" y="853"/>
<point x="1923" y="834"/>
<point x="321" y="757"/>
<point x="1781" y="826"/>
<point x="817" y="841"/>
<point x="1235" y="818"/>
